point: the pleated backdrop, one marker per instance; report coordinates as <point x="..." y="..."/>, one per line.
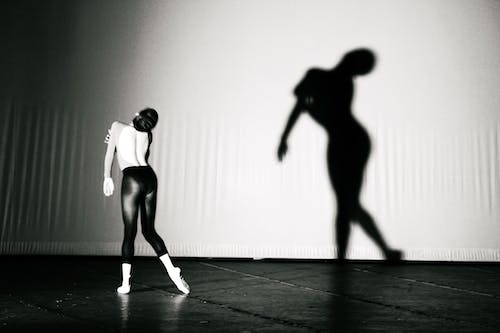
<point x="221" y="75"/>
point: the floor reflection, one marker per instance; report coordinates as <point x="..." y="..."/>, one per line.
<point x="163" y="310"/>
<point x="343" y="316"/>
<point x="175" y="307"/>
<point x="124" y="311"/>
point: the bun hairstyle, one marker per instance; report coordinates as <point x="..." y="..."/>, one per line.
<point x="146" y="120"/>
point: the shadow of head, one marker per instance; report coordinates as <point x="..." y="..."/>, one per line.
<point x="358" y="62"/>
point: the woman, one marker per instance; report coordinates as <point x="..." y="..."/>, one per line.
<point x="138" y="193"/>
<point x="327" y="96"/>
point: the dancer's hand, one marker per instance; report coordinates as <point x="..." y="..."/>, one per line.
<point x="108" y="187"/>
<point x="282" y="149"/>
<point x="108" y="136"/>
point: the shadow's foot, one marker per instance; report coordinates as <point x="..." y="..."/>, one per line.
<point x="393" y="255"/>
<point x="341" y="261"/>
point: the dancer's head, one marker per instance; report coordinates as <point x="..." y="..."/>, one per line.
<point x="145" y="120"/>
<point x="358" y="62"/>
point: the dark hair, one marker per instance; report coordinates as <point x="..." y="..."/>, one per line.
<point x="146" y="120"/>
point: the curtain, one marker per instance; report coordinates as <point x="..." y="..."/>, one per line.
<point x="221" y="75"/>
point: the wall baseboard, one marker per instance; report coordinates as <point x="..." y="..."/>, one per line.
<point x="242" y="251"/>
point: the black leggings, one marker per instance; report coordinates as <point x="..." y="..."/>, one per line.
<point x="139" y="186"/>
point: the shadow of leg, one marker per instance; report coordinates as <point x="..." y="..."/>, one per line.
<point x="343" y="230"/>
<point x="368" y="224"/>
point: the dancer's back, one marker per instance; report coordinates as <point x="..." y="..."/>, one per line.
<point x="131" y="145"/>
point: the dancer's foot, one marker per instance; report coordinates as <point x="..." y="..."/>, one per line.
<point x="393" y="255"/>
<point x="180" y="283"/>
<point x="123" y="289"/>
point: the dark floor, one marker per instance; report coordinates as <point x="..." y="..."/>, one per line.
<point x="77" y="294"/>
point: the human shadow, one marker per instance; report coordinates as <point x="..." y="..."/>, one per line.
<point x="326" y="95"/>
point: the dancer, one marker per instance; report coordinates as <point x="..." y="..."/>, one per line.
<point x="327" y="95"/>
<point x="138" y="193"/>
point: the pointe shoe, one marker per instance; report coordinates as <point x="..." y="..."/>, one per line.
<point x="123" y="289"/>
<point x="180" y="283"/>
<point x="393" y="255"/>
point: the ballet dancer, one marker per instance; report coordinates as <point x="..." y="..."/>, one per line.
<point x="138" y="192"/>
<point x="327" y="96"/>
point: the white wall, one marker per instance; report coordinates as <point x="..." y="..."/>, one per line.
<point x="221" y="74"/>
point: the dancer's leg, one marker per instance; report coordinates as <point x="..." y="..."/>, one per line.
<point x="130" y="202"/>
<point x="148" y="210"/>
<point x="130" y="207"/>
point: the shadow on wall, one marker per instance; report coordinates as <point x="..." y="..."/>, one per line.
<point x="327" y="96"/>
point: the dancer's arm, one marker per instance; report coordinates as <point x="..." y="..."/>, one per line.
<point x="108" y="186"/>
<point x="292" y="119"/>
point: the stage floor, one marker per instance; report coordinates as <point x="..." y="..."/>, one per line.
<point x="77" y="294"/>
